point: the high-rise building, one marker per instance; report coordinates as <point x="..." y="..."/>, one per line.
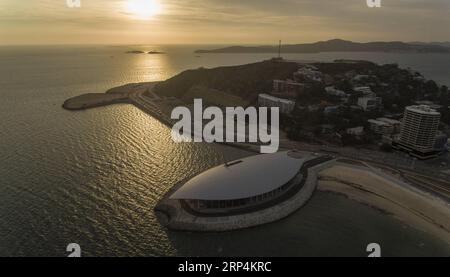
<point x="419" y="128"/>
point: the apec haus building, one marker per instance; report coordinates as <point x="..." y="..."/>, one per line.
<point x="240" y="187"/>
<point x="240" y="184"/>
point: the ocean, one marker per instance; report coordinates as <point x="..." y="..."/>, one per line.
<point x="93" y="177"/>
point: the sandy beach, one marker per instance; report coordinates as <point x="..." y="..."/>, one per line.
<point x="386" y="193"/>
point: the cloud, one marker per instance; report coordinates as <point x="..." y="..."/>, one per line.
<point x="231" y="21"/>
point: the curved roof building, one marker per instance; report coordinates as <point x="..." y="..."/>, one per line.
<point x="243" y="183"/>
<point x="243" y="178"/>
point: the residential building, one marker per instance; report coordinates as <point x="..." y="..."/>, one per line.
<point x="440" y="142"/>
<point x="356" y="131"/>
<point x="335" y="92"/>
<point x="419" y="129"/>
<point x="396" y="124"/>
<point x="370" y="103"/>
<point x="431" y="104"/>
<point x="286" y="106"/>
<point x="280" y="86"/>
<point x="380" y="127"/>
<point x="308" y="73"/>
<point x="366" y="91"/>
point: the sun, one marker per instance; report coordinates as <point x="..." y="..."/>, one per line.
<point x="143" y="9"/>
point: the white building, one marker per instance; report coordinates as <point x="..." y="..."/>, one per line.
<point x="396" y="124"/>
<point x="380" y="127"/>
<point x="419" y="129"/>
<point x="366" y="91"/>
<point x="431" y="104"/>
<point x="244" y="183"/>
<point x="281" y="86"/>
<point x="360" y="77"/>
<point x="333" y="91"/>
<point x="356" y="131"/>
<point x="309" y="73"/>
<point x="286" y="106"/>
<point x="370" y="103"/>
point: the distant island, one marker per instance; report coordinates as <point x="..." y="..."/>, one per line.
<point x="155" y="52"/>
<point x="135" y="52"/>
<point x="338" y="45"/>
<point x="143" y="52"/>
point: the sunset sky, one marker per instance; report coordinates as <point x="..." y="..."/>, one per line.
<point x="220" y="21"/>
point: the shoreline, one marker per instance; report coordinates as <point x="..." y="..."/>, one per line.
<point x="142" y="97"/>
<point x="389" y="195"/>
<point x="387" y="198"/>
<point x="116" y="95"/>
<point x="94" y="100"/>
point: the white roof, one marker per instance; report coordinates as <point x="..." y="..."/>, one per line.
<point x="276" y="99"/>
<point x="388" y="120"/>
<point x="378" y="122"/>
<point x="243" y="178"/>
<point x="290" y="82"/>
<point x="423" y="109"/>
<point x="362" y="89"/>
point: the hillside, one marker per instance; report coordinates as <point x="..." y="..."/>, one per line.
<point x="244" y="81"/>
<point x="336" y="45"/>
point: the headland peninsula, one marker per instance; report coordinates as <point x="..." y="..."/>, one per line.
<point x="383" y="183"/>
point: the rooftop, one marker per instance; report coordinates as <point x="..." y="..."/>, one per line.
<point x="276" y="99"/>
<point x="242" y="178"/>
<point x="378" y="122"/>
<point x="388" y="120"/>
<point x="423" y="109"/>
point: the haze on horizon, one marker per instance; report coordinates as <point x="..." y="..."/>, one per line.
<point x="221" y="21"/>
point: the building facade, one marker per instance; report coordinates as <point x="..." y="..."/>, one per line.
<point x="243" y="184"/>
<point x="283" y="86"/>
<point x="396" y="125"/>
<point x="419" y="129"/>
<point x="370" y="103"/>
<point x="380" y="127"/>
<point x="286" y="106"/>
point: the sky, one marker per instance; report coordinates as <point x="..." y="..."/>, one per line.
<point x="221" y="21"/>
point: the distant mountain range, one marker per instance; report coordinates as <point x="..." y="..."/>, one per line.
<point x="339" y="45"/>
<point x="444" y="43"/>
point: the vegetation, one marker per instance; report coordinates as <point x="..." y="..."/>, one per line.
<point x="213" y="97"/>
<point x="244" y="81"/>
<point x="240" y="86"/>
